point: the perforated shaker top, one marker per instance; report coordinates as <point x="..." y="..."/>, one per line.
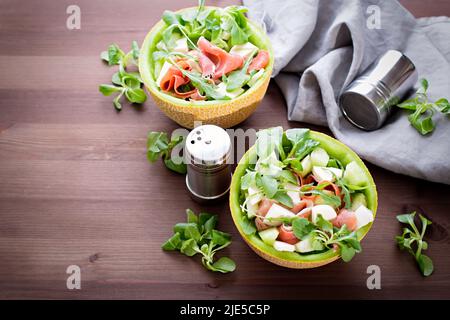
<point x="207" y="144"/>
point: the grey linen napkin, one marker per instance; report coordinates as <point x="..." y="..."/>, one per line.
<point x="320" y="46"/>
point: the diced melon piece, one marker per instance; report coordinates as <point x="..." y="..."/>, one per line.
<point x="319" y="157"/>
<point x="277" y="211"/>
<point x="364" y="216"/>
<point x="252" y="209"/>
<point x="283" y="246"/>
<point x="181" y="45"/>
<point x="222" y="88"/>
<point x="304" y="246"/>
<point x="244" y="50"/>
<point x="269" y="235"/>
<point x="255" y="77"/>
<point x="308" y="245"/>
<point x="326" y="211"/>
<point x="359" y="199"/>
<point x="163" y="72"/>
<point x="306" y="166"/>
<point x="326" y="174"/>
<point x="235" y="93"/>
<point x="354" y="174"/>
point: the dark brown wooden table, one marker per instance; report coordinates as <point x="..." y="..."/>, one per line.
<point x="76" y="188"/>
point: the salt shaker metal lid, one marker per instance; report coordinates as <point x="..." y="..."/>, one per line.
<point x="207" y="153"/>
<point x="368" y="100"/>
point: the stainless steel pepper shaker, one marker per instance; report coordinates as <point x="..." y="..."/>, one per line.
<point x="368" y="100"/>
<point x="207" y="153"/>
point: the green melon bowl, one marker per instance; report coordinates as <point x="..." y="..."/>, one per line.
<point x="223" y="113"/>
<point x="295" y="260"/>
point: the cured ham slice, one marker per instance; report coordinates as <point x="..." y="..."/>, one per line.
<point x="207" y="67"/>
<point x="223" y="61"/>
<point x="260" y="61"/>
<point x="287" y="235"/>
<point x="264" y="207"/>
<point x="346" y="217"/>
<point x="174" y="78"/>
<point x="197" y="96"/>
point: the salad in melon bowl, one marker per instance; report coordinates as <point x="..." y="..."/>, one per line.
<point x="302" y="199"/>
<point x="206" y="64"/>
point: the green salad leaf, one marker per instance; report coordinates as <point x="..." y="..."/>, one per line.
<point x="199" y="236"/>
<point x="412" y="237"/>
<point x="282" y="197"/>
<point x="125" y="83"/>
<point x="422" y="110"/>
<point x="302" y="228"/>
<point x="267" y="141"/>
<point x="345" y="239"/>
<point x="159" y="146"/>
<point x="234" y="21"/>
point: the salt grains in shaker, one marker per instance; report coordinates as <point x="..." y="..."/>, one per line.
<point x="207" y="152"/>
<point x="368" y="100"/>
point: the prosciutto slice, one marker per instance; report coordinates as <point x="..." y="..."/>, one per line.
<point x="174" y="79"/>
<point x="223" y="61"/>
<point x="260" y="61"/>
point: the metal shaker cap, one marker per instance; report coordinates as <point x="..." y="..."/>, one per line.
<point x="207" y="152"/>
<point x="207" y="145"/>
<point x="367" y="101"/>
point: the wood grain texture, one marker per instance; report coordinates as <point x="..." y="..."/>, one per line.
<point x="75" y="186"/>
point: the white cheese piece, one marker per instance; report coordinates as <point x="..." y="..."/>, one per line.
<point x="277" y="211"/>
<point x="283" y="246"/>
<point x="327" y="212"/>
<point x="181" y="45"/>
<point x="293" y="192"/>
<point x="363" y="217"/>
<point x="244" y="50"/>
<point x="163" y="72"/>
<point x="326" y="173"/>
<point x="254" y="195"/>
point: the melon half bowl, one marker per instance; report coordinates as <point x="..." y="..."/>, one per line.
<point x="223" y="113"/>
<point x="296" y="260"/>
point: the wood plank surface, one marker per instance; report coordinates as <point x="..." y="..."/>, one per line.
<point x="76" y="188"/>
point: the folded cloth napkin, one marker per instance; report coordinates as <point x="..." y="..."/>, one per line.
<point x="320" y="46"/>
